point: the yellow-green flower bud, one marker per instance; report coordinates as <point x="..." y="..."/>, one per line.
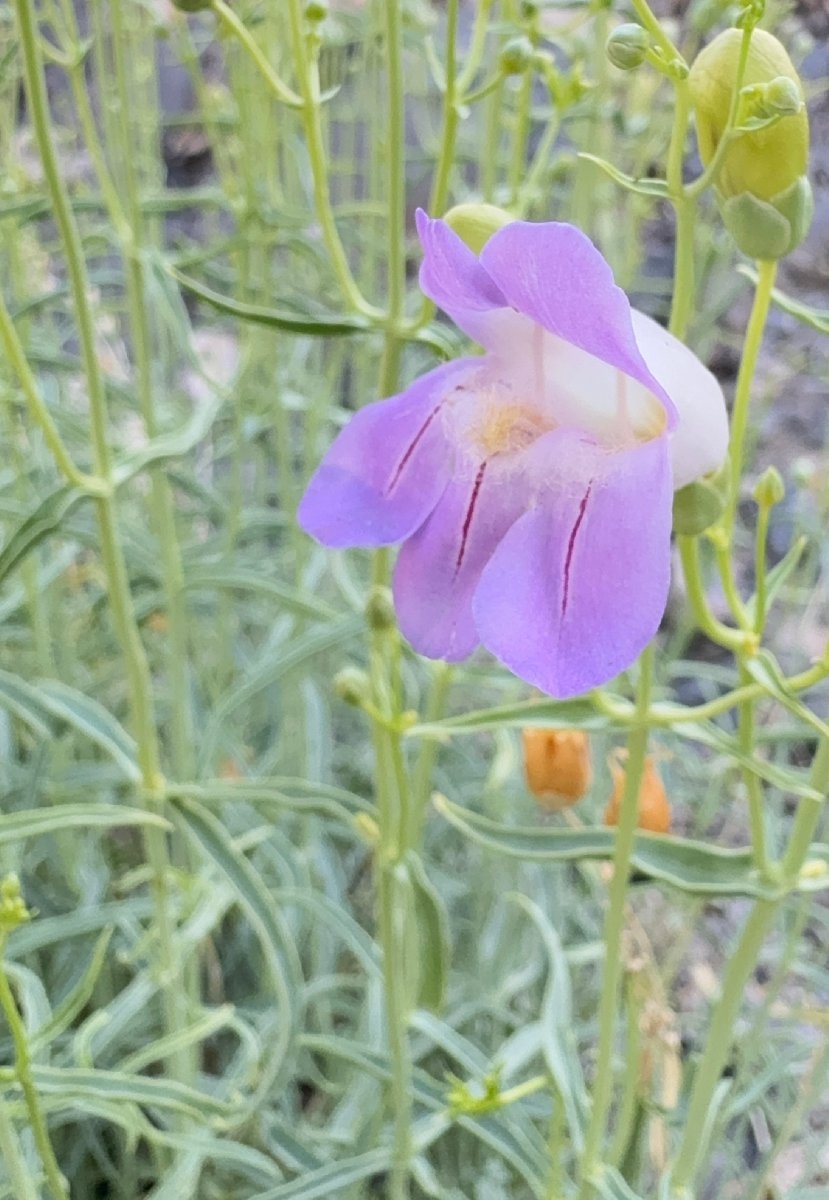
<point x="476" y="223"/>
<point x="782" y="97"/>
<point x="13" y="910"/>
<point x="627" y="46"/>
<point x="316" y="11"/>
<point x="380" y="609"/>
<point x="352" y="686"/>
<point x="516" y="56"/>
<point x="769" y="488"/>
<point x="761" y="183"/>
<point x="701" y="503"/>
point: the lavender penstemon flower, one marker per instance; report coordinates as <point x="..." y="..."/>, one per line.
<point x="532" y="486"/>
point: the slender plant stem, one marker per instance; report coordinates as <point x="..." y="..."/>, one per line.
<point x="740" y="968"/>
<point x="682" y="304"/>
<point x="23" y="1072"/>
<point x="11" y="1156"/>
<point x="766" y="272"/>
<point x="732" y="639"/>
<point x="452" y="98"/>
<point x="753" y="786"/>
<point x="16" y="356"/>
<point x="115" y="568"/>
<point x="614" y="927"/>
<point x="396" y="156"/>
<point x="718" y="1044"/>
<point x="234" y="25"/>
<point x="308" y="82"/>
<point x="162" y="500"/>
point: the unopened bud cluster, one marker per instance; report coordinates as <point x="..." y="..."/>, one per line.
<point x="13" y="910"/>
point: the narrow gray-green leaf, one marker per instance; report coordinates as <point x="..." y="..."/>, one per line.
<point x="316" y="324"/>
<point x="42" y="521"/>
<point x="35" y="822"/>
<point x="689" y="866"/>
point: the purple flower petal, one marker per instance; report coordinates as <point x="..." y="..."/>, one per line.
<point x="555" y="276"/>
<point x="452" y="276"/>
<point x="387" y="468"/>
<point x="578" y="586"/>
<point x="439" y="567"/>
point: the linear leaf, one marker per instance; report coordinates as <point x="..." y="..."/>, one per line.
<point x="332" y="1179"/>
<point x="76" y="1083"/>
<point x="42" y="521"/>
<point x="564" y="714"/>
<point x="688" y="866"/>
<point x="644" y="187"/>
<point x="34" y="822"/>
<point x="319" y="325"/>
<point x="261" y="910"/>
<point x="90" y="718"/>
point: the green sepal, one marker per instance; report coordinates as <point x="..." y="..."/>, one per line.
<point x="769" y="229"/>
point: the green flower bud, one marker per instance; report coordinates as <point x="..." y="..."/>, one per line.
<point x="13" y="910"/>
<point x="476" y="223"/>
<point x="769" y="488"/>
<point x="764" y="195"/>
<point x="191" y="6"/>
<point x="316" y="11"/>
<point x="516" y="56"/>
<point x="764" y="161"/>
<point x="380" y="609"/>
<point x="701" y="503"/>
<point x="627" y="46"/>
<point x="352" y="685"/>
<point x="782" y="97"/>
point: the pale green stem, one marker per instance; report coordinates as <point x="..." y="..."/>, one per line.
<point x="614" y="928"/>
<point x="307" y="72"/>
<point x="520" y="136"/>
<point x="395" y="152"/>
<point x="23" y="1074"/>
<point x="753" y="786"/>
<point x="629" y="1098"/>
<point x="181" y="720"/>
<point x="16" y="356"/>
<point x="228" y="18"/>
<point x="393" y="798"/>
<point x="760" y="582"/>
<point x="654" y="28"/>
<point x="392" y="804"/>
<point x="452" y="97"/>
<point x="740" y="968"/>
<point x="425" y="761"/>
<point x="584" y="204"/>
<point x="718" y="1044"/>
<point x="23" y="1187"/>
<point x="766" y="272"/>
<point x="121" y="605"/>
<point x="732" y="639"/>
